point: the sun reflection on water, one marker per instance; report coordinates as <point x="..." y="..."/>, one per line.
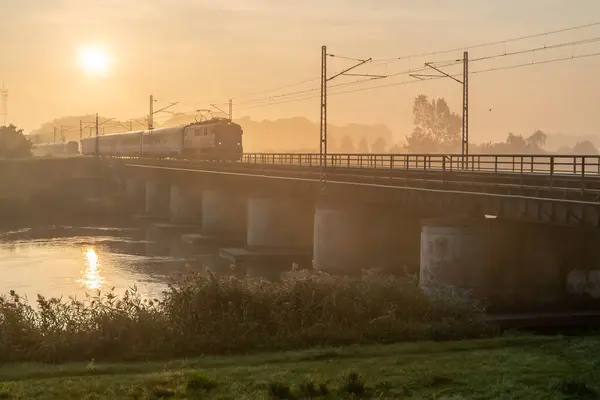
<point x="91" y="278"/>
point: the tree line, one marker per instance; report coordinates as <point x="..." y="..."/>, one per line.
<point x="438" y="130"/>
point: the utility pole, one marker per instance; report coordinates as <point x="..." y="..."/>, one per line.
<point x="4" y="105"/>
<point x="54" y="135"/>
<point x="151" y="115"/>
<point x="80" y="131"/>
<point x="97" y="138"/>
<point x="130" y="125"/>
<point x="465" y="116"/>
<point x="62" y="135"/>
<point x="323" y="125"/>
<point x="464" y="145"/>
<point x="230" y="110"/>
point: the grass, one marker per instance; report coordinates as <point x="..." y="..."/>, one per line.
<point x="526" y="367"/>
<point x="202" y="315"/>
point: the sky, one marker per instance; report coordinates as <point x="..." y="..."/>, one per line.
<point x="203" y="52"/>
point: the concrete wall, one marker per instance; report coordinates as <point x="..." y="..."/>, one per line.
<point x="279" y="222"/>
<point x="349" y="238"/>
<point x="185" y="204"/>
<point x="513" y="265"/>
<point x="158" y="193"/>
<point x="223" y="213"/>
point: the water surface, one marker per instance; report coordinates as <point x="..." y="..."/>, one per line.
<point x="67" y="261"/>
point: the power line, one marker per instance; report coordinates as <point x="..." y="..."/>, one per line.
<point x="573" y="57"/>
<point x="276" y="88"/>
<point x="416" y="55"/>
<point x="487" y="44"/>
<point x="421" y="69"/>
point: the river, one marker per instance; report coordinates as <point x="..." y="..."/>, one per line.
<point x="67" y="261"/>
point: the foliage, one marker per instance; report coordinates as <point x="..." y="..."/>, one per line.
<point x="516" y="144"/>
<point x="585" y="148"/>
<point x="13" y="144"/>
<point x="346" y="146"/>
<point x="363" y="146"/>
<point x="436" y="127"/>
<point x="379" y="146"/>
<point x="207" y="314"/>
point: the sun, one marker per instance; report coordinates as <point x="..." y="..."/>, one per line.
<point x="94" y="60"/>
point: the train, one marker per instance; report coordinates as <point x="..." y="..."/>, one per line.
<point x="55" y="149"/>
<point x="218" y="139"/>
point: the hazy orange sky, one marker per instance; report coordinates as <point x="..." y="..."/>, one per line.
<point x="203" y="51"/>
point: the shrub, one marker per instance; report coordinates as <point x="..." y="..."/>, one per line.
<point x="215" y="315"/>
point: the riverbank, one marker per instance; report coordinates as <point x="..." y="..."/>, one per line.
<point x="527" y="367"/>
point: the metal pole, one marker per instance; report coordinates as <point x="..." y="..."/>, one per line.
<point x="465" y="117"/>
<point x="230" y="109"/>
<point x="54" y="135"/>
<point x="151" y="120"/>
<point x="62" y="135"/>
<point x="150" y="116"/>
<point x="80" y="131"/>
<point x="323" y="126"/>
<point x="97" y="138"/>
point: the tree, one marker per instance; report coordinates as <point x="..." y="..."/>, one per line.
<point x="537" y="140"/>
<point x="379" y="146"/>
<point x="516" y="143"/>
<point x="363" y="146"/>
<point x="435" y="126"/>
<point x="331" y="144"/>
<point x="585" y="148"/>
<point x="13" y="143"/>
<point x="346" y="146"/>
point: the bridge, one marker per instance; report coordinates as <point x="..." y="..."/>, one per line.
<point x="519" y="230"/>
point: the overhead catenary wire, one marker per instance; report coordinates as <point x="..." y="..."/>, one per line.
<point x="489" y="44"/>
<point x="426" y="54"/>
<point x="301" y="95"/>
<point x="476" y="72"/>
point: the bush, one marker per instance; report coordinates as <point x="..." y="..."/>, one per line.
<point x="217" y="315"/>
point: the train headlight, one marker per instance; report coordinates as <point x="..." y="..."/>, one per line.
<point x="219" y="143"/>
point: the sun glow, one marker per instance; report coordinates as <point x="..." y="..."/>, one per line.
<point x="94" y="60"/>
<point x="91" y="278"/>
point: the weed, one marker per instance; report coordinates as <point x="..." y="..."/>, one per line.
<point x="201" y="314"/>
<point x="353" y="384"/>
<point x="163" y="393"/>
<point x="575" y="389"/>
<point x="280" y="391"/>
<point x="197" y="381"/>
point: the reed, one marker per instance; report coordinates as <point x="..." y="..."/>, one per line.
<point x="206" y="314"/>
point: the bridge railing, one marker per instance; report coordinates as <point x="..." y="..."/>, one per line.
<point x="582" y="165"/>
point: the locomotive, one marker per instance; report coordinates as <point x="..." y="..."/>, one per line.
<point x="217" y="139"/>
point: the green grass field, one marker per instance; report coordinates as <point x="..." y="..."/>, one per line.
<point x="525" y="367"/>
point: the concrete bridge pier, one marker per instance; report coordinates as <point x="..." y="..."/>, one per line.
<point x="351" y="237"/>
<point x="514" y="266"/>
<point x="185" y="204"/>
<point x="135" y="190"/>
<point x="279" y="223"/>
<point x="158" y="193"/>
<point x="279" y="234"/>
<point x="223" y="213"/>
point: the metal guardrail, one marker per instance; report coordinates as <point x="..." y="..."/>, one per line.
<point x="560" y="165"/>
